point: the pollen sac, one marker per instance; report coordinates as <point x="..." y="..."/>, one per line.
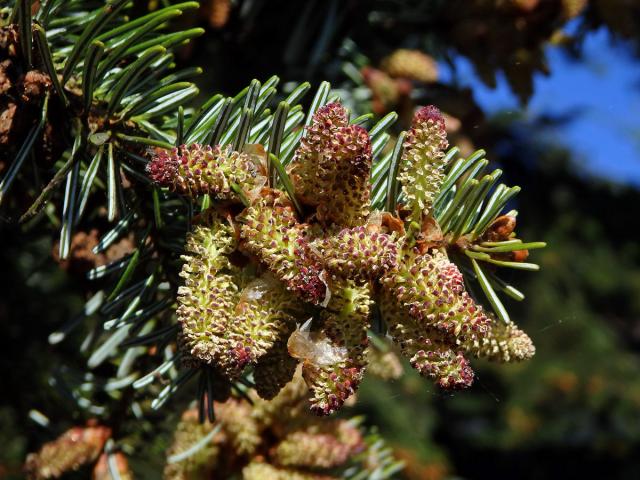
<point x="359" y="252"/>
<point x="503" y="342"/>
<point x="332" y="380"/>
<point x="198" y="169"/>
<point x="271" y="233"/>
<point x="332" y="166"/>
<point x="423" y="161"/>
<point x="429" y="289"/>
<point x="427" y="352"/>
<point x="210" y="292"/>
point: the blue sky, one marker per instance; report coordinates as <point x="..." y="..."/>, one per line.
<point x="604" y="87"/>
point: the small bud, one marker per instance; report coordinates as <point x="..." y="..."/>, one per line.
<point x="500" y="229"/>
<point x="217" y="12"/>
<point x="519" y="255"/>
<point x="34" y="85"/>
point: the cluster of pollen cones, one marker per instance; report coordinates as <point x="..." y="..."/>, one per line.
<point x="270" y="283"/>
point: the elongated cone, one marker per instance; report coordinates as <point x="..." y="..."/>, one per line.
<point x="271" y="233"/>
<point x="78" y="446"/>
<point x="311" y="169"/>
<point x="429" y="355"/>
<point x="331" y="168"/>
<point x="328" y="448"/>
<point x="347" y="193"/>
<point x="359" y="252"/>
<point x="210" y="292"/>
<point x="503" y="342"/>
<point x="334" y="371"/>
<point x="187" y="434"/>
<point x="264" y="315"/>
<point x="429" y="289"/>
<point x="423" y="161"/>
<point x="198" y="169"/>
